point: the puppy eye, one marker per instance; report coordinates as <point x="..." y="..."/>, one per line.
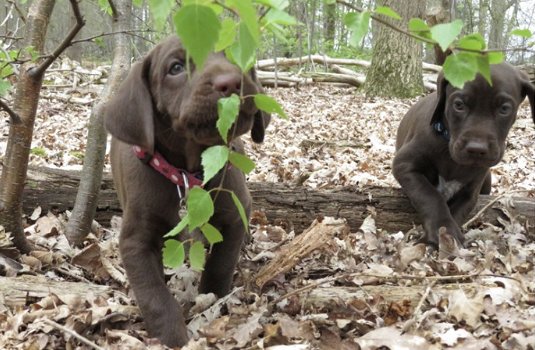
<point x="505" y="109"/>
<point x="176" y="68"/>
<point x="458" y="105"/>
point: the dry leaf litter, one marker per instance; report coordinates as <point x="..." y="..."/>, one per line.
<point x="369" y="289"/>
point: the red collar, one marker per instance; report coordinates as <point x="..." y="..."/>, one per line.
<point x="175" y="175"/>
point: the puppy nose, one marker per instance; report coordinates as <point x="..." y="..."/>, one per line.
<point x="477" y="148"/>
<point x="227" y="84"/>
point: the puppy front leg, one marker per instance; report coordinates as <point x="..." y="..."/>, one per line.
<point x="426" y="200"/>
<point x="141" y="254"/>
<point x="221" y="264"/>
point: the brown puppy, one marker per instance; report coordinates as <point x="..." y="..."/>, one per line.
<point x="447" y="142"/>
<point x="161" y="108"/>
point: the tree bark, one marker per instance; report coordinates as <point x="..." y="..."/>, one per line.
<point x="396" y="68"/>
<point x="20" y="134"/>
<point x="79" y="224"/>
<point x="290" y="207"/>
<point x="26" y="100"/>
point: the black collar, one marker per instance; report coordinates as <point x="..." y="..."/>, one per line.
<point x="441" y="130"/>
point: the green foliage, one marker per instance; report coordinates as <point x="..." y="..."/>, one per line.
<point x="241" y="162"/>
<point x="358" y="24"/>
<point x="213" y="159"/>
<point x="200" y="207"/>
<point x="38" y="151"/>
<point x="211" y="233"/>
<point x="227" y="110"/>
<point x="269" y="105"/>
<point x="197" y="258"/>
<point x="198" y="28"/>
<point x="173" y="253"/>
<point x="469" y="55"/>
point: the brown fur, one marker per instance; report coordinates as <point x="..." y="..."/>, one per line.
<point x="176" y="115"/>
<point x="428" y="166"/>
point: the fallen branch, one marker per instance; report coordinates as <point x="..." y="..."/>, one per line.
<point x="72" y="333"/>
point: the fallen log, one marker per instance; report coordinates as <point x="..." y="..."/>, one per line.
<point x="291" y="207"/>
<point x="19" y="291"/>
<point x="325" y="60"/>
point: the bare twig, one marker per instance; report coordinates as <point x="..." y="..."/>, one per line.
<point x="72" y="333"/>
<point x="67" y="41"/>
<point x="129" y="32"/>
<point x="15" y="119"/>
<point x="384" y="278"/>
<point x="415" y="319"/>
<point x="489" y="204"/>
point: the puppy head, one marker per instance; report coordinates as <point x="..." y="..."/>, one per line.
<point x="160" y="89"/>
<point x="478" y="117"/>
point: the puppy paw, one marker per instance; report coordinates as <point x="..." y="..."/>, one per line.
<point x="448" y="245"/>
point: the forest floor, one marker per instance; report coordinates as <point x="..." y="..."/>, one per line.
<point x="368" y="289"/>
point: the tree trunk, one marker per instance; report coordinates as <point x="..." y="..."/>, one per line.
<point x="290" y="207"/>
<point x="396" y="69"/>
<point x="441" y="13"/>
<point x="329" y="25"/>
<point x="79" y="224"/>
<point x="20" y="135"/>
<point x="482" y="17"/>
<point x="498" y="9"/>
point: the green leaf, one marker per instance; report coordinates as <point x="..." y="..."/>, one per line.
<point x="197" y="257"/>
<point x="269" y="105"/>
<point x="227" y="111"/>
<point x="460" y="68"/>
<point x="199" y="206"/>
<point x="472" y="42"/>
<point x="418" y="25"/>
<point x="247" y="13"/>
<point x="387" y="11"/>
<point x="227" y="35"/>
<point x="173" y="253"/>
<point x="5" y="86"/>
<point x="198" y="28"/>
<point x="275" y="16"/>
<point x="243" y="51"/>
<point x="496" y="57"/>
<point x="358" y="24"/>
<point x="524" y="33"/>
<point x="329" y="2"/>
<point x="6" y="71"/>
<point x="483" y="67"/>
<point x="179" y="227"/>
<point x="211" y="233"/>
<point x="160" y="10"/>
<point x="446" y="33"/>
<point x="241" y="211"/>
<point x="213" y="159"/>
<point x="241" y="162"/>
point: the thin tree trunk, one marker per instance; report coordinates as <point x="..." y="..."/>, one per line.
<point x="26" y="100"/>
<point x="20" y="135"/>
<point x="79" y="224"/>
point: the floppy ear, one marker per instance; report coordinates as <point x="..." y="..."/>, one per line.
<point x="261" y="119"/>
<point x="260" y="123"/>
<point x="528" y="90"/>
<point x="129" y="115"/>
<point x="440" y="106"/>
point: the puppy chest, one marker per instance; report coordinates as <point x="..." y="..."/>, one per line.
<point x="448" y="188"/>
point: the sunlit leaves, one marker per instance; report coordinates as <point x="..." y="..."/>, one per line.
<point x="200" y="207"/>
<point x="213" y="159"/>
<point x="460" y="68"/>
<point x="198" y="28"/>
<point x="387" y="11"/>
<point x="446" y="33"/>
<point x="227" y="110"/>
<point x="358" y="24"/>
<point x="197" y="257"/>
<point x="269" y="105"/>
<point x="173" y="253"/>
<point x="241" y="162"/>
